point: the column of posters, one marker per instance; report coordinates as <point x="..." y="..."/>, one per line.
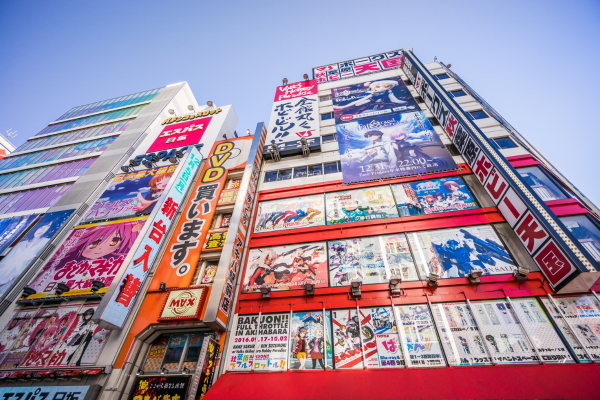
<point x="310" y="345"/>
<point x="271" y="342"/>
<point x="380" y="338"/>
<point x="241" y="355"/>
<point x="360" y="205"/>
<point x="419" y="337"/>
<point x="295" y="212"/>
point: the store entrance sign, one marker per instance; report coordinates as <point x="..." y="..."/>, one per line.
<point x="183" y="304"/>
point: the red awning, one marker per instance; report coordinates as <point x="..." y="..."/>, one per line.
<point x="501" y="382"/>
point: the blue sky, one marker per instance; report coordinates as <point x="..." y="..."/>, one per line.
<point x="59" y="54"/>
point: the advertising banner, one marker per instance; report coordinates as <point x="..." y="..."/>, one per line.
<point x="228" y="196"/>
<point x="183" y="304"/>
<point x="347" y="347"/>
<point x="180" y="134"/>
<point x="15" y="331"/>
<point x="26" y="337"/>
<point x="434" y="196"/>
<point x="170" y="387"/>
<point x="215" y="240"/>
<point x="380" y="338"/>
<point x="50" y="392"/>
<point x="359" y="66"/>
<point x="391" y="146"/>
<point x="272" y="341"/>
<point x="134" y="194"/>
<point x="206" y="376"/>
<point x="286" y="267"/>
<point x="19" y="257"/>
<point x="91" y="252"/>
<point x="295" y="115"/>
<point x="295" y="212"/>
<point x="454" y="253"/>
<point x="370" y="99"/>
<point x="156" y="354"/>
<point x="360" y="205"/>
<point x="12" y="228"/>
<point x="554" y="249"/>
<point x="311" y="343"/>
<point x="418" y="336"/>
<point x="241" y="355"/>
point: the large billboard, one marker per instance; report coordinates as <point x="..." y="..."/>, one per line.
<point x="391" y="146"/>
<point x="358" y="67"/>
<point x="360" y="205"/>
<point x="295" y="212"/>
<point x="12" y="228"/>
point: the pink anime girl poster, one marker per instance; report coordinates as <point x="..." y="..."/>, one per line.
<point x="91" y="252"/>
<point x="18" y="323"/>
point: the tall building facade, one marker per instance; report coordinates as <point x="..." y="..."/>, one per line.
<point x="408" y="241"/>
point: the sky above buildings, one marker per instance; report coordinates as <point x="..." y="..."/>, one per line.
<point x="533" y="61"/>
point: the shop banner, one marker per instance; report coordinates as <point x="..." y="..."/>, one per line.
<point x="554" y="249"/>
<point x="19" y="257"/>
<point x="294" y="116"/>
<point x="360" y="205"/>
<point x="241" y="355"/>
<point x="164" y="387"/>
<point x="183" y="304"/>
<point x="454" y="253"/>
<point x="50" y="392"/>
<point x="180" y="134"/>
<point x="120" y="300"/>
<point x="380" y="338"/>
<point x="419" y="337"/>
<point x="347" y="347"/>
<point x="359" y="66"/>
<point x="12" y="228"/>
<point x="434" y="196"/>
<point x="311" y="342"/>
<point x="17" y="328"/>
<point x="156" y="354"/>
<point x="271" y="342"/>
<point x="228" y="196"/>
<point x="204" y="376"/>
<point x="391" y="146"/>
<point x="370" y="99"/>
<point x="286" y="267"/>
<point x="134" y="194"/>
<point x="291" y="213"/>
<point x="215" y="240"/>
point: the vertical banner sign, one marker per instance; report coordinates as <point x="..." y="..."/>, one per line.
<point x="357" y="67"/>
<point x="203" y="378"/>
<point x="123" y="298"/>
<point x="295" y="115"/>
<point x="561" y="259"/>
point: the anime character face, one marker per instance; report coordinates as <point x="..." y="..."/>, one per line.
<point x="398" y="135"/>
<point x="103" y="246"/>
<point x="439" y="196"/>
<point x="318" y="333"/>
<point x="368" y="195"/>
<point x="430" y="200"/>
<point x="452" y="186"/>
<point x="41" y="231"/>
<point x="269" y="279"/>
<point x="350" y="205"/>
<point x="302" y="333"/>
<point x="380" y="87"/>
<point x="87" y="315"/>
<point x="374" y="135"/>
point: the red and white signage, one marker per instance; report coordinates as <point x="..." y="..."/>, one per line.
<point x="183" y="304"/>
<point x="181" y="134"/>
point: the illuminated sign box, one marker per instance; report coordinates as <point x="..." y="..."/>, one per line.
<point x="183" y="303"/>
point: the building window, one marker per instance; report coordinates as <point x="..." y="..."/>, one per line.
<point x="442" y="76"/>
<point x="458" y="93"/>
<point x="479" y="114"/>
<point x="326" y="116"/>
<point x="329" y="138"/>
<point x="271" y="176"/>
<point x="325" y="98"/>
<point x="311" y="170"/>
<point x="332" y="168"/>
<point x="284" y="174"/>
<point x="505" y="143"/>
<point x="175" y="352"/>
<point x="541" y="183"/>
<point x="586" y="232"/>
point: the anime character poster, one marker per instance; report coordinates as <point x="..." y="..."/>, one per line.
<point x="272" y="341"/>
<point x="286" y="267"/>
<point x="19" y="257"/>
<point x="391" y="146"/>
<point x="460" y="335"/>
<point x="347" y="349"/>
<point x="311" y="344"/>
<point x="419" y="337"/>
<point x="380" y="338"/>
<point x="434" y="196"/>
<point x="370" y="99"/>
<point x="131" y="195"/>
<point x="454" y="253"/>
<point x="17" y="329"/>
<point x="295" y="212"/>
<point x="360" y="205"/>
<point x="12" y="228"/>
<point x="398" y="258"/>
<point x="91" y="252"/>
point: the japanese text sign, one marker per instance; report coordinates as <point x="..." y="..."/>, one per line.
<point x="183" y="304"/>
<point x="357" y="67"/>
<point x="48" y="392"/>
<point x="181" y="134"/>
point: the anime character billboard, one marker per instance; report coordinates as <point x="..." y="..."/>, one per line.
<point x="346" y="335"/>
<point x="91" y="252"/>
<point x="454" y="253"/>
<point x="391" y="146"/>
<point x="295" y="212"/>
<point x="30" y="246"/>
<point x="434" y="196"/>
<point x="418" y="336"/>
<point x="370" y="99"/>
<point x="380" y="338"/>
<point x="310" y="347"/>
<point x="12" y="228"/>
<point x="360" y="205"/>
<point x="286" y="267"/>
<point x="131" y="195"/>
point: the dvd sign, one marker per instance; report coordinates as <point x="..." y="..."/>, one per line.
<point x="183" y="304"/>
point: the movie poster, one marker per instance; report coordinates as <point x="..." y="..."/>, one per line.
<point x="502" y="332"/>
<point x="380" y="339"/>
<point x="346" y="336"/>
<point x="435" y="196"/>
<point x="29" y="247"/>
<point x="286" y="267"/>
<point x="583" y="314"/>
<point x="398" y="258"/>
<point x="418" y="336"/>
<point x="244" y="340"/>
<point x="454" y="253"/>
<point x="295" y="212"/>
<point x="271" y="342"/>
<point x="11" y="228"/>
<point x="163" y="387"/>
<point x="310" y="345"/>
<point x="460" y="335"/>
<point x="131" y="195"/>
<point x="370" y="99"/>
<point x="17" y="329"/>
<point x="91" y="252"/>
<point x="360" y="205"/>
<point x="391" y="146"/>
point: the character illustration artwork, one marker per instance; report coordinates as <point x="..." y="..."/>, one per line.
<point x="311" y="341"/>
<point x="346" y="336"/>
<point x="297" y="212"/>
<point x="419" y="337"/>
<point x="360" y="205"/>
<point x="380" y="339"/>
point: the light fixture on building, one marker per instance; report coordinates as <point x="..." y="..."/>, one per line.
<point x="305" y="77"/>
<point x="191" y="107"/>
<point x="150" y="163"/>
<point x="209" y="103"/>
<point x="97" y="285"/>
<point x="162" y="286"/>
<point x="266" y="292"/>
<point x="235" y="134"/>
<point x="61" y="288"/>
<point x="449" y="65"/>
<point x="432" y="280"/>
<point x="395" y="285"/>
<point x="474" y="277"/>
<point x="140" y="372"/>
<point x="27" y="291"/>
<point x="164" y="371"/>
<point x="178" y="155"/>
<point x="172" y="112"/>
<point x="248" y="132"/>
<point x="310" y="288"/>
<point x="305" y="149"/>
<point x="186" y="371"/>
<point x="356" y="284"/>
<point x="274" y="150"/>
<point x="521" y="273"/>
<point x="285" y="81"/>
<point x="225" y="136"/>
<point x="435" y="58"/>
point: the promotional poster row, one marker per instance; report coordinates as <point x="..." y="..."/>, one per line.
<point x="379" y="202"/>
<point x="450" y="253"/>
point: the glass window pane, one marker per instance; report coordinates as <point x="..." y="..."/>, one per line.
<point x="314" y="170"/>
<point x="480" y="114"/>
<point x="347" y="348"/>
<point x="271" y="176"/>
<point x="327" y="116"/>
<point x="329" y="138"/>
<point x="586" y="232"/>
<point x="156" y="354"/>
<point x="290" y="213"/>
<point x="458" y="93"/>
<point x="442" y="76"/>
<point x="193" y="351"/>
<point x="284" y="174"/>
<point x="174" y="352"/>
<point x="505" y="143"/>
<point x="541" y="183"/>
<point x="300" y="172"/>
<point x="330" y="168"/>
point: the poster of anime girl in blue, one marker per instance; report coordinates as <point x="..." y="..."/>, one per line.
<point x="391" y="146"/>
<point x="311" y="343"/>
<point x="373" y="98"/>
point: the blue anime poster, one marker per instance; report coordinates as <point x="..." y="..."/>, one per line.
<point x="12" y="228"/>
<point x="371" y="99"/>
<point x="391" y="146"/>
<point x="433" y="196"/>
